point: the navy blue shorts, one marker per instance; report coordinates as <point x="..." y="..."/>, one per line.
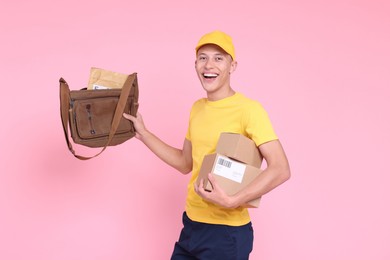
<point x="207" y="241"/>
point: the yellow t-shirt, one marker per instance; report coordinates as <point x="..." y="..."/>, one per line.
<point x="208" y="119"/>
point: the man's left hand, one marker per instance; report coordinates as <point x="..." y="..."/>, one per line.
<point x="216" y="195"/>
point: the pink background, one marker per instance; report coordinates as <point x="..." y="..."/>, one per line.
<point x="320" y="68"/>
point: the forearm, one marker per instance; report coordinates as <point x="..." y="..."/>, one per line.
<point x="268" y="180"/>
<point x="170" y="155"/>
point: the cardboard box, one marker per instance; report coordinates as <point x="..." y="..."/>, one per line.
<point x="231" y="175"/>
<point x="240" y="148"/>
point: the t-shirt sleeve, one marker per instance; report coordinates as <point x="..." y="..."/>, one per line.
<point x="258" y="126"/>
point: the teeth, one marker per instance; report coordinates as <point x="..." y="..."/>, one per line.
<point x="210" y="75"/>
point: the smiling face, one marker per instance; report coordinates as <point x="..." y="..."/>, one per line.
<point x="214" y="66"/>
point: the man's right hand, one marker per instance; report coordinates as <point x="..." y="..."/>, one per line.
<point x="138" y="123"/>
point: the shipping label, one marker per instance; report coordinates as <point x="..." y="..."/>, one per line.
<point x="229" y="168"/>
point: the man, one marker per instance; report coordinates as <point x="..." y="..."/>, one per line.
<point x="215" y="226"/>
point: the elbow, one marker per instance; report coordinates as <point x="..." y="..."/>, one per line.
<point x="185" y="169"/>
<point x="285" y="174"/>
<point x="185" y="172"/>
<point x="282" y="173"/>
<point x="187" y="166"/>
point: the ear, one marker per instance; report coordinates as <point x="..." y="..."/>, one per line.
<point x="233" y="66"/>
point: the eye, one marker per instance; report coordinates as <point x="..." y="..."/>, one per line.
<point x="202" y="58"/>
<point x="219" y="58"/>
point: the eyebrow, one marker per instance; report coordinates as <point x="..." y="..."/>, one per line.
<point x="216" y="54"/>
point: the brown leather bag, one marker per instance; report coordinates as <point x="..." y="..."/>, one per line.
<point x="95" y="117"/>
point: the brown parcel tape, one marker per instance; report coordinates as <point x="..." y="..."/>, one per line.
<point x="240" y="148"/>
<point x="231" y="175"/>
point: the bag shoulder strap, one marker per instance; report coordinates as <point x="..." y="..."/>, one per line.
<point x="64" y="105"/>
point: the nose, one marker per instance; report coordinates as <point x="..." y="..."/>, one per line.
<point x="209" y="64"/>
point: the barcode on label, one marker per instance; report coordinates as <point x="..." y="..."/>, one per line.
<point x="224" y="162"/>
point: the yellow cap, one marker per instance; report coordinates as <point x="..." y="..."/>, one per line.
<point x="218" y="38"/>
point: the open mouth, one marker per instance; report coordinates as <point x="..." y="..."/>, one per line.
<point x="210" y="75"/>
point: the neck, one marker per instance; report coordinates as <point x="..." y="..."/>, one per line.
<point x="215" y="96"/>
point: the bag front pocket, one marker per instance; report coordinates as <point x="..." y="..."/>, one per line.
<point x="93" y="117"/>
